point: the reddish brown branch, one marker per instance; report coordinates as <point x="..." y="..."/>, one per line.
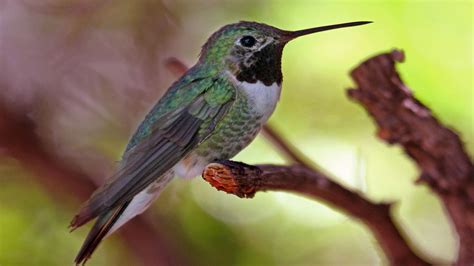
<point x="437" y="150"/>
<point x="245" y="180"/>
<point x="285" y="148"/>
<point x="19" y="141"/>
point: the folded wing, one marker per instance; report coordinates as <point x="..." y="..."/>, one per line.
<point x="172" y="137"/>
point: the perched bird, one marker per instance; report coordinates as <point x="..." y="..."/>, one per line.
<point x="212" y="112"/>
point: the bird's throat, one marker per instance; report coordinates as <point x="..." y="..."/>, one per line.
<point x="263" y="65"/>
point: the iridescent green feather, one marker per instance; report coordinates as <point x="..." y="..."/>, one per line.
<point x="181" y="93"/>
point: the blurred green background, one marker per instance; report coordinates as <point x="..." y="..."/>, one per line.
<point x="86" y="72"/>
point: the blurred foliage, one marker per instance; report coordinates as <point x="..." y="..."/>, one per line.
<point x="88" y="70"/>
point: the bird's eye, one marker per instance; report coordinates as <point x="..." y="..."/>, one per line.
<point x="248" y="41"/>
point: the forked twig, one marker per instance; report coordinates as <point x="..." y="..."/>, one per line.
<point x="437" y="150"/>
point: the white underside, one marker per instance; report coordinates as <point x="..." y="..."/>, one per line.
<point x="138" y="205"/>
<point x="190" y="167"/>
<point x="145" y="198"/>
<point x="141" y="201"/>
<point x="264" y="97"/>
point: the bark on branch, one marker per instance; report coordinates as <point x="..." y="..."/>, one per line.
<point x="245" y="180"/>
<point x="437" y="150"/>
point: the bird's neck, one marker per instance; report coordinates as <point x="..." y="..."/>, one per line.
<point x="267" y="73"/>
<point x="262" y="98"/>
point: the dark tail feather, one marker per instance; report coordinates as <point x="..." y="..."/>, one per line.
<point x="100" y="229"/>
<point x="81" y="218"/>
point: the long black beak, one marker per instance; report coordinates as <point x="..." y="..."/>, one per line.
<point x="290" y="35"/>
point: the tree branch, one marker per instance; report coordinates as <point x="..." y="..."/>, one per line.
<point x="285" y="148"/>
<point x="245" y="180"/>
<point x="436" y="149"/>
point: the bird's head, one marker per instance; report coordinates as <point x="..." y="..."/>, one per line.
<point x="252" y="51"/>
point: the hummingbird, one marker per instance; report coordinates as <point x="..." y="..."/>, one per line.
<point x="211" y="112"/>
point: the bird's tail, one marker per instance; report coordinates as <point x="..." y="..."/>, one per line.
<point x="111" y="220"/>
<point x="101" y="228"/>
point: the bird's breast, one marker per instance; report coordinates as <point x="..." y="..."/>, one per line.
<point x="261" y="98"/>
<point x="254" y="104"/>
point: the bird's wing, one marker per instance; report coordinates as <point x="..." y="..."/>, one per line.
<point x="172" y="136"/>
